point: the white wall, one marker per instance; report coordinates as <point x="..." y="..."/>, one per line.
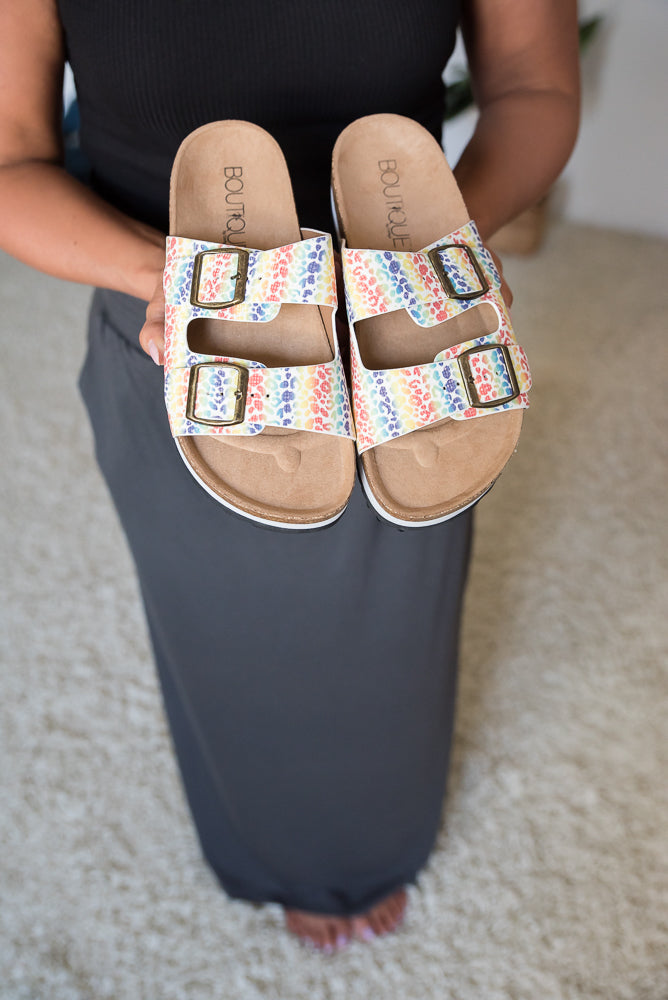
<point x="618" y="174"/>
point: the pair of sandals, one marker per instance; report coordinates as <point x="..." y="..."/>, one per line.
<point x="254" y="383"/>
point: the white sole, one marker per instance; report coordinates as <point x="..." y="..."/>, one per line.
<point x="412" y="524"/>
<point x="287" y="526"/>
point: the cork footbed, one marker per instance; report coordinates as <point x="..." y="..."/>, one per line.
<point x="284" y="476"/>
<point x="434" y="471"/>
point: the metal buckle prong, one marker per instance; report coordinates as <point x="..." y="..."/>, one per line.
<point x="444" y="277"/>
<point x="239" y="393"/>
<point x="242" y="256"/>
<point x="469" y="377"/>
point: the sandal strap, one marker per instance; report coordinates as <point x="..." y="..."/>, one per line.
<point x="481" y="376"/>
<point x="210" y="394"/>
<point x="432" y="285"/>
<point x="472" y="379"/>
<point x="236" y="283"/>
<point x="217" y="395"/>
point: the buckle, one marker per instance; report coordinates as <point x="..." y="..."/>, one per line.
<point x="470" y="381"/>
<point x="239" y="394"/>
<point x="239" y="278"/>
<point x="444" y="277"/>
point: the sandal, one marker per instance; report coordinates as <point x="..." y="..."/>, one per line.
<point x="254" y="385"/>
<point x="432" y="347"/>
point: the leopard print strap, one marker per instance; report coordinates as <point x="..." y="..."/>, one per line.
<point x="212" y="394"/>
<point x="432" y="285"/>
<point x="485" y="375"/>
<point x="232" y="396"/>
<point x="472" y="379"/>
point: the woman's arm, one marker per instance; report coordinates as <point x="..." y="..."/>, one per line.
<point x="48" y="219"/>
<point x="523" y="58"/>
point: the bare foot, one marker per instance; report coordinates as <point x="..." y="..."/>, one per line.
<point x="331" y="933"/>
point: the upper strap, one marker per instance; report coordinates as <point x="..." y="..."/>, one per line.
<point x="485" y="375"/>
<point x="432" y="285"/>
<point x="236" y="283"/>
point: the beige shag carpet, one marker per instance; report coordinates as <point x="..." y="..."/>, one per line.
<point x="550" y="880"/>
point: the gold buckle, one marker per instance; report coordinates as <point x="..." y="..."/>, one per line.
<point x="469" y="377"/>
<point x="239" y="278"/>
<point x="444" y="277"/>
<point x="239" y="393"/>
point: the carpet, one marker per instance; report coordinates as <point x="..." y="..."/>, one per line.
<point x="550" y="877"/>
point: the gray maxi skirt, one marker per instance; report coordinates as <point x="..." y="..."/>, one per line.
<point x="308" y="677"/>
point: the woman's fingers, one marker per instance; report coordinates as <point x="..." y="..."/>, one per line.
<point x="505" y="289"/>
<point x="152" y="334"/>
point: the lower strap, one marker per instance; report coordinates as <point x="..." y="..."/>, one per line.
<point x="222" y="396"/>
<point x="472" y="379"/>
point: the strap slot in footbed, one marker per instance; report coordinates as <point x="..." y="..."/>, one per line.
<point x="246" y="200"/>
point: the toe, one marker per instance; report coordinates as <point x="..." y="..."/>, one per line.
<point x="382" y="918"/>
<point x="361" y="929"/>
<point x="377" y="922"/>
<point x="309" y="929"/>
<point x="391" y="911"/>
<point x="330" y="936"/>
<point x="343" y="933"/>
<point x="320" y="933"/>
<point x="397" y="908"/>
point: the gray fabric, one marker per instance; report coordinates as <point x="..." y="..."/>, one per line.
<point x="308" y="677"/>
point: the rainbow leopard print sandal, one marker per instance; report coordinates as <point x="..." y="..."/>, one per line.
<point x="439" y="382"/>
<point x="254" y="385"/>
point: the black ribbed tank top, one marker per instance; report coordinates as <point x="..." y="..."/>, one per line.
<point x="148" y="72"/>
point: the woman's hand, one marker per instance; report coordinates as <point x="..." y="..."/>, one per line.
<point x="152" y="334"/>
<point x="505" y="288"/>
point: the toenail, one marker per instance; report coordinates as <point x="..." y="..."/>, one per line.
<point x="368" y="934"/>
<point x="341" y="941"/>
<point x="328" y="948"/>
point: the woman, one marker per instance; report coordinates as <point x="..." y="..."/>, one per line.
<point x="309" y="681"/>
